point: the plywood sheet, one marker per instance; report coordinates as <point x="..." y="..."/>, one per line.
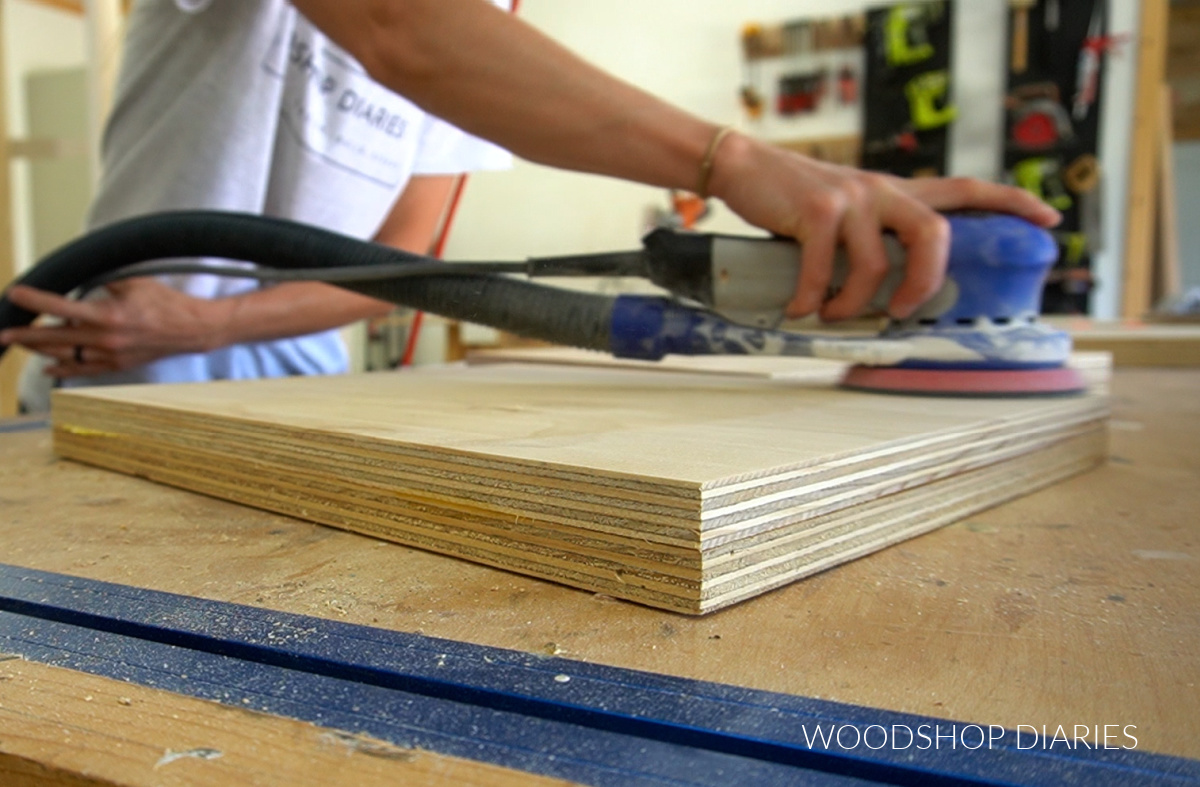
<point x="1095" y="366"/>
<point x="683" y="491"/>
<point x="814" y="370"/>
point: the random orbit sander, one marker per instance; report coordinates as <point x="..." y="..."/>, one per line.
<point x="979" y="336"/>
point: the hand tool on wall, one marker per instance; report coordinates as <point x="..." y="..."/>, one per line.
<point x="760" y="41"/>
<point x="1037" y="118"/>
<point x="1075" y="247"/>
<point x="907" y="40"/>
<point x="1087" y="75"/>
<point x="1042" y="177"/>
<point x="1020" y="34"/>
<point x="978" y="336"/>
<point x="1052" y="16"/>
<point x="1041" y="124"/>
<point x="757" y="43"/>
<point x="752" y="101"/>
<point x="1083" y="174"/>
<point x="927" y="102"/>
<point x="905" y="142"/>
<point x="1088" y="71"/>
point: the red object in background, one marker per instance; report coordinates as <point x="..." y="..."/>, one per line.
<point x="439" y="246"/>
<point x="689" y="208"/>
<point x="907" y="142"/>
<point x="1087" y="73"/>
<point x="795" y="103"/>
<point x="414" y="331"/>
<point x="847" y="85"/>
<point x="801" y="92"/>
<point x="1035" y="131"/>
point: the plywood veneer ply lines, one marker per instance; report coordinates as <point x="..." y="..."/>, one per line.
<point x="684" y="491"/>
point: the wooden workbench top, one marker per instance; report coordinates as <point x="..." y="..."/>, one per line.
<point x="1079" y="604"/>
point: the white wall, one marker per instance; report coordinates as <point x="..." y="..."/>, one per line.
<point x="681" y="50"/>
<point x="1115" y="150"/>
<point x="35" y="38"/>
<point x="688" y="52"/>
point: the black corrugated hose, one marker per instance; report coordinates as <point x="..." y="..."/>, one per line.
<point x="534" y="311"/>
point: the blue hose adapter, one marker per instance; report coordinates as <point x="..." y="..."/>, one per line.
<point x="649" y="327"/>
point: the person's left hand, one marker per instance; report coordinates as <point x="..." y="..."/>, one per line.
<point x="141" y="321"/>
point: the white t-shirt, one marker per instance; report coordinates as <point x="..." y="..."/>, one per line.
<point x="243" y="105"/>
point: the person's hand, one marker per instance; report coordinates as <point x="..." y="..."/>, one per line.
<point x="142" y="320"/>
<point x="824" y="206"/>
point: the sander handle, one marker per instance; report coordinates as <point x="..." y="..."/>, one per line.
<point x="747" y="280"/>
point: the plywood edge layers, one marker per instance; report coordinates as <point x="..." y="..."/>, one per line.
<point x="520" y="490"/>
<point x="654" y="578"/>
<point x="898" y="518"/>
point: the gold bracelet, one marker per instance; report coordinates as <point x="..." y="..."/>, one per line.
<point x="706" y="164"/>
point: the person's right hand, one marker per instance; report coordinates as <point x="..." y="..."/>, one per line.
<point x="824" y="206"/>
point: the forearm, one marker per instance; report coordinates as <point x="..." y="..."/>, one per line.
<point x="284" y="310"/>
<point x="299" y="308"/>
<point x="497" y="77"/>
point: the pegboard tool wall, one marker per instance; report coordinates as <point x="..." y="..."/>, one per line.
<point x="1052" y="130"/>
<point x="908" y="95"/>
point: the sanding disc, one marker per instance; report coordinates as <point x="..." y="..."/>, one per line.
<point x="965" y="382"/>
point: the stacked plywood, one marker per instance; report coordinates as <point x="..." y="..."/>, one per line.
<point x="683" y="491"/>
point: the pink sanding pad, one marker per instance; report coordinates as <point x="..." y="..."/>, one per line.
<point x="965" y="382"/>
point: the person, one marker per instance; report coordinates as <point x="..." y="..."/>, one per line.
<point x="310" y="110"/>
<point x="246" y="107"/>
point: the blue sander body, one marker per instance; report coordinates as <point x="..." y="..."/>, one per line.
<point x="979" y="335"/>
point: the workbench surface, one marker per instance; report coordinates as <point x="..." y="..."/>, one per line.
<point x="1079" y="604"/>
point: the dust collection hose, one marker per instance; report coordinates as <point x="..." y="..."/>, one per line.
<point x="628" y="326"/>
<point x="534" y="311"/>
